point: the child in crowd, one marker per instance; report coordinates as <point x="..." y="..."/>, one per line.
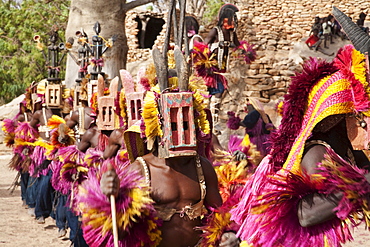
<point x="326" y="27"/>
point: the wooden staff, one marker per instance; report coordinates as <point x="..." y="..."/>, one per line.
<point x="114" y="219"/>
<point x="114" y="211"/>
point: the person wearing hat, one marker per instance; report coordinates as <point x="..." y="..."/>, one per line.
<point x="28" y="132"/>
<point x="313" y="187"/>
<point x="257" y="125"/>
<point x="69" y="169"/>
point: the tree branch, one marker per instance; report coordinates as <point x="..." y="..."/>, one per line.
<point x="136" y="3"/>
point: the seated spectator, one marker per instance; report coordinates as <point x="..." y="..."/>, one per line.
<point x="317" y="25"/>
<point x="313" y="42"/>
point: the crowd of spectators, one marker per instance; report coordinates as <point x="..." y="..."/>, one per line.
<point x="326" y="29"/>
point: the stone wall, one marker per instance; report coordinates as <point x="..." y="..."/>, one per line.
<point x="273" y="27"/>
<point x="136" y="54"/>
<point x="277" y="29"/>
<point x="293" y="18"/>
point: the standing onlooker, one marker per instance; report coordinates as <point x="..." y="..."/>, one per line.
<point x="221" y="39"/>
<point x="192" y="31"/>
<point x="361" y="22"/>
<point x="335" y="28"/>
<point x="326" y="27"/>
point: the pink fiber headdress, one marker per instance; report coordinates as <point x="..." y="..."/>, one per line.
<point x="319" y="91"/>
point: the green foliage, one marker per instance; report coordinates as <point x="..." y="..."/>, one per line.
<point x="211" y="11"/>
<point x="20" y="61"/>
<point x="149" y="7"/>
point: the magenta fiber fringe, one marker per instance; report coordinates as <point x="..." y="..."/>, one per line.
<point x="139" y="225"/>
<point x="234" y="121"/>
<point x="291" y="123"/>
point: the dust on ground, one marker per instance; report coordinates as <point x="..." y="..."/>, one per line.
<point x="17" y="227"/>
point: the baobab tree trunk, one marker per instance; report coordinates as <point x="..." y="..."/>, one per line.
<point x="111" y="14"/>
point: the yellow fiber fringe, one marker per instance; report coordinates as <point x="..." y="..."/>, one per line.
<point x="197" y="86"/>
<point x="150" y="116"/>
<point x="55" y="121"/>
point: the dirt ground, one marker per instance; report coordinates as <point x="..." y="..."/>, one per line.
<point x="18" y="229"/>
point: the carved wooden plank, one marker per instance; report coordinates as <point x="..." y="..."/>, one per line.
<point x="182" y="69"/>
<point x="127" y="81"/>
<point x="106" y="104"/>
<point x="171" y="8"/>
<point x="106" y="115"/>
<point x="101" y="85"/>
<point x="161" y="69"/>
<point x="76" y="101"/>
<point x="92" y="87"/>
<point x="113" y="87"/>
<point x="134" y="103"/>
<point x="182" y="4"/>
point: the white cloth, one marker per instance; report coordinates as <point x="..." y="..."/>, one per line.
<point x="326" y="27"/>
